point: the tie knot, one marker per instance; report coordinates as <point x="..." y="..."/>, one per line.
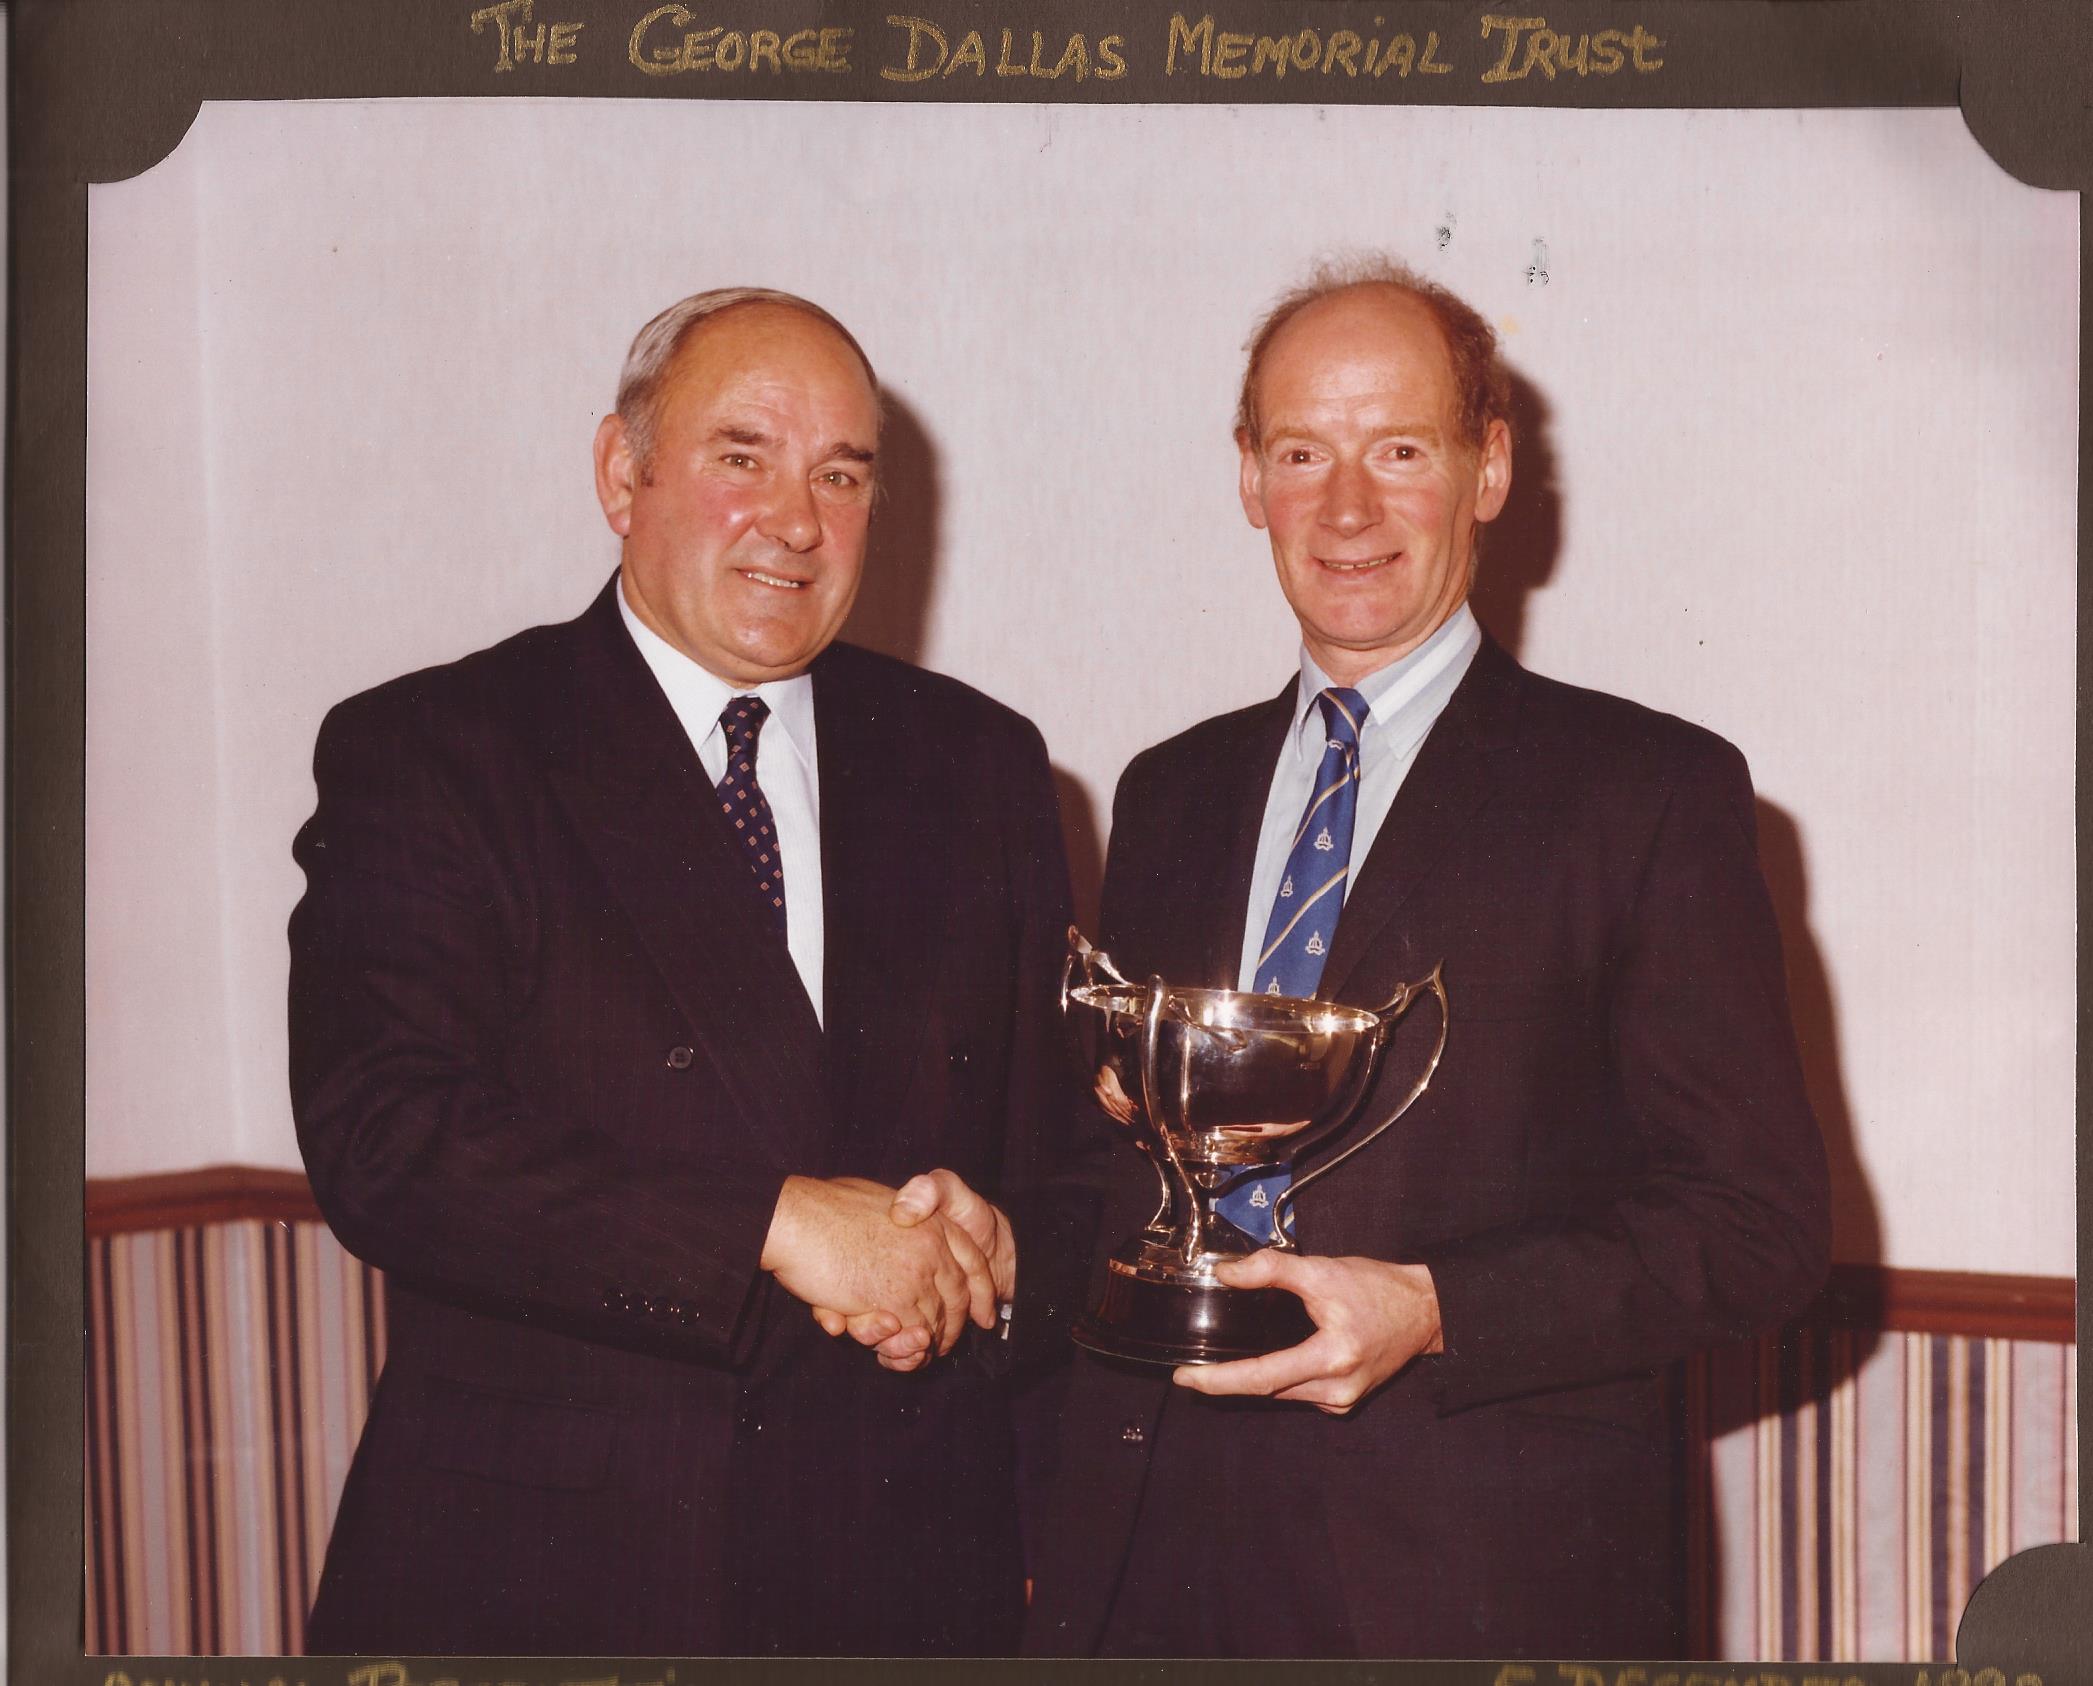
<point x="1344" y="713"/>
<point x="742" y="719"/>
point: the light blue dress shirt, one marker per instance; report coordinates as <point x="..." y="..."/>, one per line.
<point x="1405" y="699"/>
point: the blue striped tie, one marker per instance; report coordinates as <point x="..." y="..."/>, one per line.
<point x="741" y="799"/>
<point x="1304" y="913"/>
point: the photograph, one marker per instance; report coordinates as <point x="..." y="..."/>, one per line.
<point x="1519" y="655"/>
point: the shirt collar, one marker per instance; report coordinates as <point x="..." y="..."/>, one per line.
<point x="698" y="695"/>
<point x="1403" y="698"/>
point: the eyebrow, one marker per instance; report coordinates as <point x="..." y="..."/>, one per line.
<point x="742" y="436"/>
<point x="1425" y="432"/>
<point x="756" y="437"/>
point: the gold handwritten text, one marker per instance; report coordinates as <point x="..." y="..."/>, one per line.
<point x="671" y="40"/>
<point x="517" y="42"/>
<point x="1227" y="54"/>
<point x="930" y="52"/>
<point x="398" y="1674"/>
<point x="117" y="1677"/>
<point x="1586" y="55"/>
<point x="663" y="43"/>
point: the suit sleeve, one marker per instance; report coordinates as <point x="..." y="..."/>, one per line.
<point x="409" y="974"/>
<point x="1724" y="1229"/>
<point x="1057" y="1148"/>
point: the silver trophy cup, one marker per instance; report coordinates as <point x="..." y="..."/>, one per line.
<point x="1217" y="1084"/>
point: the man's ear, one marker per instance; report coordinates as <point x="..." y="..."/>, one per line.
<point x="616" y="473"/>
<point x="1250" y="485"/>
<point x="1493" y="471"/>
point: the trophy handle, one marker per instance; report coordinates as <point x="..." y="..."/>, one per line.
<point x="1094" y="961"/>
<point x="1151" y="1088"/>
<point x="1396" y="1004"/>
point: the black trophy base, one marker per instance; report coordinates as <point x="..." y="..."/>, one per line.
<point x="1175" y="1323"/>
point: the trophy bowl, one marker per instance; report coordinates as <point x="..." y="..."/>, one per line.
<point x="1217" y="1087"/>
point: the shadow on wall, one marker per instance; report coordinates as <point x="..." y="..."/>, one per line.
<point x="1856" y="1225"/>
<point x="1521" y="552"/>
<point x="1520" y="546"/>
<point x="1809" y="1365"/>
<point x="892" y="613"/>
<point x="1086" y="847"/>
<point x="1523" y="547"/>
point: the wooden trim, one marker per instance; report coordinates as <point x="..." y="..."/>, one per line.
<point x="1949" y="1302"/>
<point x="1926" y="1302"/>
<point x="181" y="1199"/>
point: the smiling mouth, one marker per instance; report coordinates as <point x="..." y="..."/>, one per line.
<point x="775" y="580"/>
<point x="1362" y="567"/>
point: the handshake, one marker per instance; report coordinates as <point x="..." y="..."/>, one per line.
<point x="899" y="1270"/>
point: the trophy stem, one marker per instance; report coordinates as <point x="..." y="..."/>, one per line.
<point x="1151" y="1086"/>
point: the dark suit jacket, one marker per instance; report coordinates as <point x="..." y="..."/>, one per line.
<point x="1615" y="1164"/>
<point x="550" y="1071"/>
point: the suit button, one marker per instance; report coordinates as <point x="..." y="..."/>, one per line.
<point x="680" y="1058"/>
<point x="1133" y="1434"/>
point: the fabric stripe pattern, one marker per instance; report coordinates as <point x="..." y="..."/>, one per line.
<point x="1850" y="1488"/>
<point x="229" y="1370"/>
<point x="1847" y="1488"/>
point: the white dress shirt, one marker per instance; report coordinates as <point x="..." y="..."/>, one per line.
<point x="1404" y="700"/>
<point x="786" y="767"/>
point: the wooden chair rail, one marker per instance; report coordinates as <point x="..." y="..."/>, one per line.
<point x="1861" y="1296"/>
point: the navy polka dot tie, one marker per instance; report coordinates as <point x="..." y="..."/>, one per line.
<point x="741" y="800"/>
<point x="1304" y="914"/>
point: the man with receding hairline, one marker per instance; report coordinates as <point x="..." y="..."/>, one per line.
<point x="672" y="1020"/>
<point x="1615" y="1163"/>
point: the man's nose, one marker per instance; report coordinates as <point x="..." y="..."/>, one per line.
<point x="1348" y="498"/>
<point x="791" y="518"/>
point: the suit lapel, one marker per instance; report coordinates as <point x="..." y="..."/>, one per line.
<point x="632" y="784"/>
<point x="1457" y="772"/>
<point x="1242" y="779"/>
<point x="888" y="806"/>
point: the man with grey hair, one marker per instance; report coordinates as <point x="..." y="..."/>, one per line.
<point x="672" y="1021"/>
<point x="1615" y="1163"/>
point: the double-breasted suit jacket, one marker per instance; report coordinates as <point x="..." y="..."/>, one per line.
<point x="550" y="1071"/>
<point x="1615" y="1165"/>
